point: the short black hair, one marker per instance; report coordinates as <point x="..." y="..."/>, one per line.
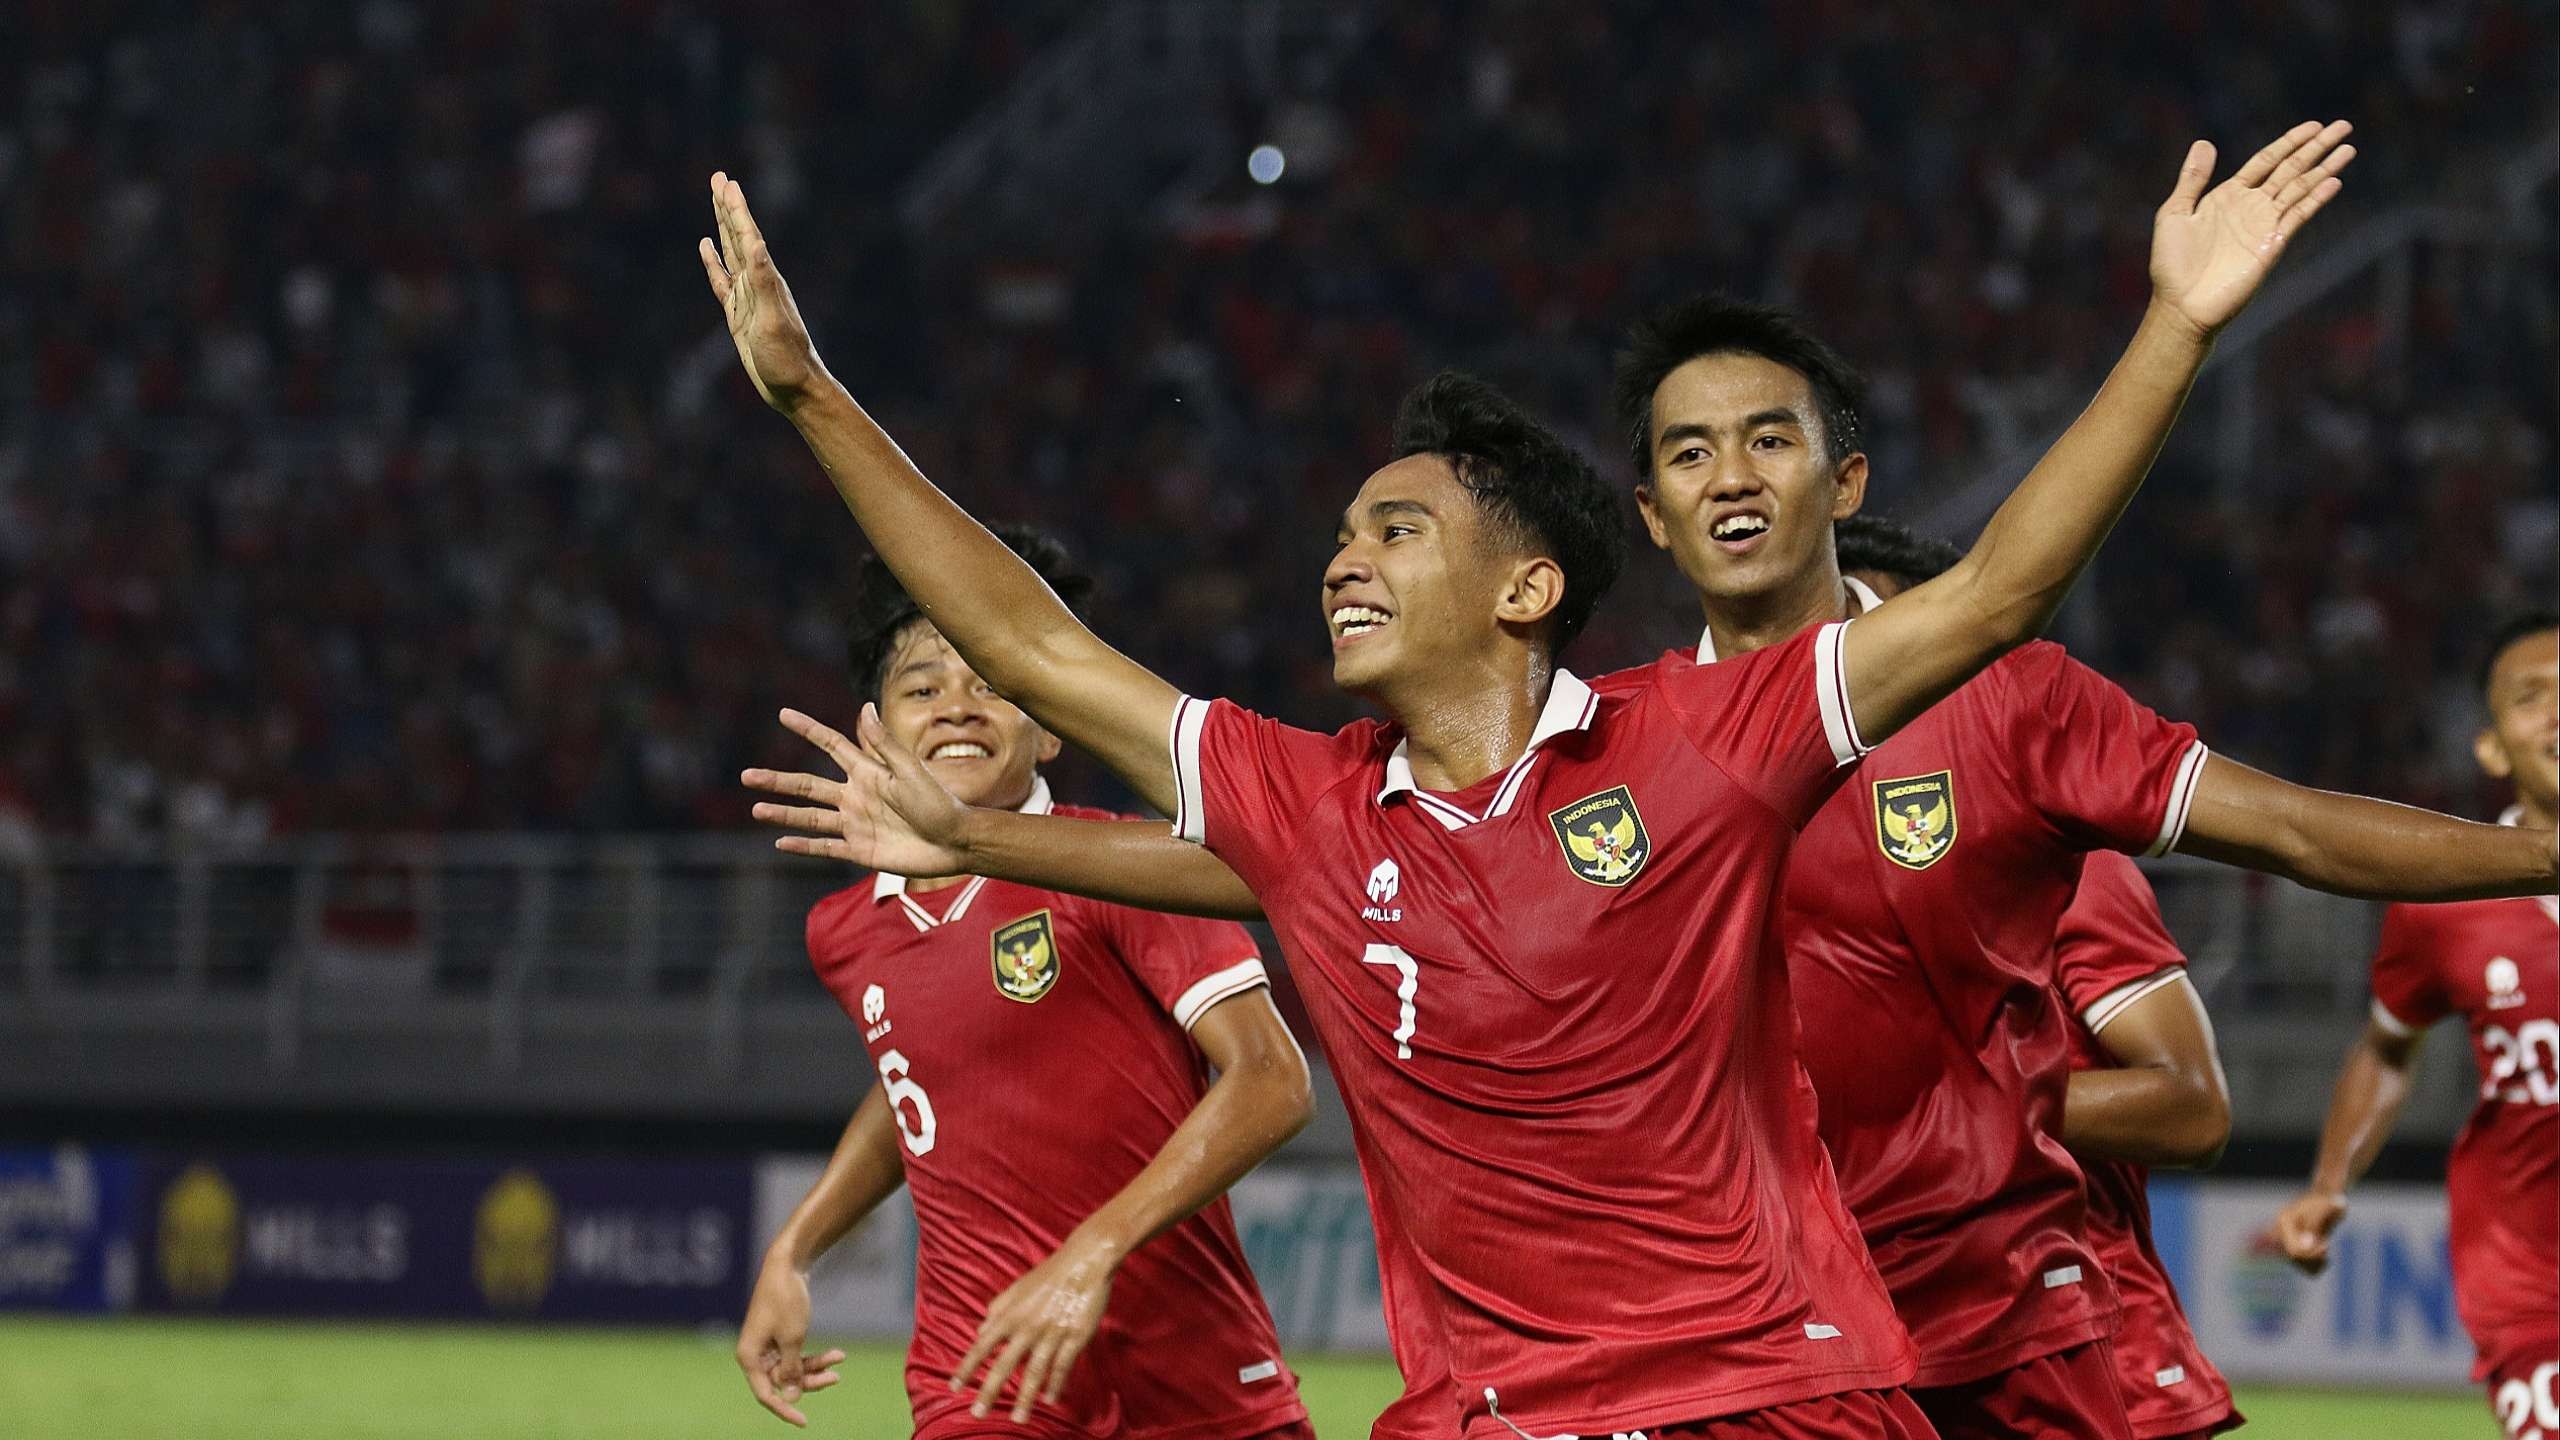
<point x="1720" y="325"/>
<point x="1527" y="479"/>
<point x="882" y="607"/>
<point x="2520" y="626"/>
<point x="1874" y="543"/>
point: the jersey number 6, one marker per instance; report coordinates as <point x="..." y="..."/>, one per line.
<point x="904" y="1093"/>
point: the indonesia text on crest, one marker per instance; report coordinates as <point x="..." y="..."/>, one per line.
<point x="1916" y="818"/>
<point x="1603" y="837"/>
<point x="1026" y="958"/>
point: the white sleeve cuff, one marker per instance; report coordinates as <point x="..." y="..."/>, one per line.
<point x="2390" y="1024"/>
<point x="1189" y="716"/>
<point x="2122" y="998"/>
<point x="2182" y="798"/>
<point x="1210" y="989"/>
<point x="1831" y="687"/>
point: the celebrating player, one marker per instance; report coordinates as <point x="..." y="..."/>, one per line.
<point x="2146" y="1083"/>
<point x="1606" y="1170"/>
<point x="2496" y="963"/>
<point x="1044" y="1094"/>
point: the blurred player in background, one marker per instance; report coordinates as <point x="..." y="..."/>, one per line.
<point x="1523" y="1179"/>
<point x="2495" y="963"/>
<point x="1045" y="1094"/>
<point x="2146" y="1082"/>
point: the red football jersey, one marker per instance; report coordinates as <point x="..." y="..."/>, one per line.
<point x="1035" y="1049"/>
<point x="2111" y="951"/>
<point x="1556" y="1006"/>
<point x="1921" y="908"/>
<point x="2495" y="963"/>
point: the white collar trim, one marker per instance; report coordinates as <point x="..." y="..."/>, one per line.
<point x="885" y="885"/>
<point x="1570" y="706"/>
<point x="1867" y="600"/>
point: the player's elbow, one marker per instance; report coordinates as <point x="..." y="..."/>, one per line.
<point x="2201" y="1127"/>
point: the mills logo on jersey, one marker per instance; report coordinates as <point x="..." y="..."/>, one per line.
<point x="1916" y="818"/>
<point x="1025" y="953"/>
<point x="1603" y="837"/>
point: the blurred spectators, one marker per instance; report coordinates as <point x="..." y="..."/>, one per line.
<point x="371" y="457"/>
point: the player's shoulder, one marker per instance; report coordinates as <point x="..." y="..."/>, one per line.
<point x="2447" y="920"/>
<point x="1092" y="812"/>
<point x="838" y="920"/>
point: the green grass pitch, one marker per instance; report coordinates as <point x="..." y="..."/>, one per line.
<point x="123" y="1379"/>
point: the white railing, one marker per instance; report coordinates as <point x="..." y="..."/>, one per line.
<point x="650" y="973"/>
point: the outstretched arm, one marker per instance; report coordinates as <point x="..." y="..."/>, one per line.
<point x="995" y="610"/>
<point x="2371" y="1089"/>
<point x="2165" y="1102"/>
<point x="1044" y="1320"/>
<point x="890" y="813"/>
<point x="2210" y="250"/>
<point x="2352" y="845"/>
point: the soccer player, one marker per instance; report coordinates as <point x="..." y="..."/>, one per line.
<point x="1570" y="1045"/>
<point x="2146" y="1082"/>
<point x="1045" y="1095"/>
<point x="2496" y="963"/>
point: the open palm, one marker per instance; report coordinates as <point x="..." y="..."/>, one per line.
<point x="773" y="341"/>
<point x="2211" y="249"/>
<point x="888" y="813"/>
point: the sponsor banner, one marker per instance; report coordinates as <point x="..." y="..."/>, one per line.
<point x="2381" y="1314"/>
<point x="572" y="1240"/>
<point x="1305" y="1231"/>
<point x="66" y="1229"/>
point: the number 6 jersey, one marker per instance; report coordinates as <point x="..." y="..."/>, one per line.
<point x="2496" y="963"/>
<point x="1556" y="1006"/>
<point x="1035" y="1050"/>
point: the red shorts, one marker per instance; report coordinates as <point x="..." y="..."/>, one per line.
<point x="1856" y="1415"/>
<point x="2524" y="1392"/>
<point x="2068" y="1393"/>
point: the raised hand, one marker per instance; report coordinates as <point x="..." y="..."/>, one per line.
<point x="1040" y="1324"/>
<point x="2303" y="1226"/>
<point x="769" y="1344"/>
<point x="888" y="813"/>
<point x="2211" y="249"/>
<point x="773" y="341"/>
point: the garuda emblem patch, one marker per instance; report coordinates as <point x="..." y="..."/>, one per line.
<point x="1026" y="958"/>
<point x="1603" y="837"/>
<point x="1916" y="818"/>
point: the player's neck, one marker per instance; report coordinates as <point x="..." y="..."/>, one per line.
<point x="1475" y="721"/>
<point x="2537" y="811"/>
<point x="1741" y="626"/>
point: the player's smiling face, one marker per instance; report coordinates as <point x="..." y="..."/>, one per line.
<point x="2524" y="720"/>
<point x="977" y="743"/>
<point x="1414" y="588"/>
<point x="1744" y="491"/>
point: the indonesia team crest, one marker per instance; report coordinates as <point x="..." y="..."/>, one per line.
<point x="1916" y="818"/>
<point x="1603" y="837"/>
<point x="1026" y="958"/>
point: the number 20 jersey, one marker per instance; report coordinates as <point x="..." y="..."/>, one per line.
<point x="1035" y="1051"/>
<point x="1556" y="1006"/>
<point x="2495" y="963"/>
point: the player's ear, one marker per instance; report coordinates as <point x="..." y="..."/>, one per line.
<point x="1535" y="588"/>
<point x="2491" y="752"/>
<point x="1849" y="486"/>
<point x="1048" y="748"/>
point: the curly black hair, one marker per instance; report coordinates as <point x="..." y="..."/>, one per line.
<point x="1528" y="480"/>
<point x="1874" y="543"/>
<point x="1720" y="325"/>
<point x="882" y="607"/>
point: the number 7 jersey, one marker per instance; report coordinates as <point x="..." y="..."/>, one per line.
<point x="2495" y="963"/>
<point x="1556" y="1006"/>
<point x="1034" y="1049"/>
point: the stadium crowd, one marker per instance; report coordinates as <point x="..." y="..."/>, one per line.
<point x="370" y="460"/>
